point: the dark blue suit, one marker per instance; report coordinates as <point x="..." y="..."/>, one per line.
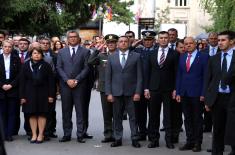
<point x="189" y="85"/>
<point x="142" y="106"/>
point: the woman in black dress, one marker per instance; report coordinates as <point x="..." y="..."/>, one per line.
<point x="36" y="91"/>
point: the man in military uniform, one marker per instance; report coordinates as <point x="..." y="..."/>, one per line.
<point x="100" y="59"/>
<point x="141" y="107"/>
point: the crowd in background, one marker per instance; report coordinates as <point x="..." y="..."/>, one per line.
<point x="135" y="77"/>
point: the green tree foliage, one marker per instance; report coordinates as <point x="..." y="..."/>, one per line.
<point x="54" y="17"/>
<point x="222" y="12"/>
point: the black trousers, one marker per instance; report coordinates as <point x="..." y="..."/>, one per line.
<point x="176" y="117"/>
<point x="154" y="115"/>
<point x="219" y="118"/>
<point x="193" y="110"/>
<point x="8" y="108"/>
<point x="141" y="115"/>
<point x="107" y="116"/>
<point x="85" y="109"/>
<point x="207" y="121"/>
<point x="51" y="119"/>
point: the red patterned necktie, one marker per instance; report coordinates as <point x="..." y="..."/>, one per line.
<point x="188" y="62"/>
<point x="22" y="57"/>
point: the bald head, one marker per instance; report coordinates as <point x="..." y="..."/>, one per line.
<point x="190" y="44"/>
<point x="34" y="45"/>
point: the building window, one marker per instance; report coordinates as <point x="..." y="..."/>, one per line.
<point x="181" y="3"/>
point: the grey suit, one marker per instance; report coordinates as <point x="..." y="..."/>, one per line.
<point x="123" y="83"/>
<point x="72" y="69"/>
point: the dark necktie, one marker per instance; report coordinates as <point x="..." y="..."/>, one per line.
<point x="22" y="57"/>
<point x="224" y="71"/>
<point x="162" y="58"/>
<point x="172" y="46"/>
<point x="73" y="54"/>
<point x="123" y="62"/>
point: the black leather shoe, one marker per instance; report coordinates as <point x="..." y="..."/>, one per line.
<point x="209" y="150"/>
<point x="80" y="140"/>
<point x="197" y="148"/>
<point x="116" y="143"/>
<point x="187" y="146"/>
<point x="142" y="138"/>
<point x="170" y="146"/>
<point x="65" y="139"/>
<point x="136" y="144"/>
<point x="175" y="140"/>
<point x="47" y="138"/>
<point x="52" y="135"/>
<point x="9" y="139"/>
<point x="124" y="117"/>
<point x="87" y="136"/>
<point x="107" y="140"/>
<point x="206" y="130"/>
<point x="232" y="152"/>
<point x="153" y="144"/>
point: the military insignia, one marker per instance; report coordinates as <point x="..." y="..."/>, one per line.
<point x="110" y="37"/>
<point x="147" y="34"/>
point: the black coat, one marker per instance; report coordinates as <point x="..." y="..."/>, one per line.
<point x="213" y="77"/>
<point x="161" y="79"/>
<point x="36" y="95"/>
<point x="15" y="67"/>
<point x="230" y="124"/>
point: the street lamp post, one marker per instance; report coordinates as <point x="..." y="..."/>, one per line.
<point x="100" y="16"/>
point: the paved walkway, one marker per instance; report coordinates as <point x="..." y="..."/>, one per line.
<point x="20" y="146"/>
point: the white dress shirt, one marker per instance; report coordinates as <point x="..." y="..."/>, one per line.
<point x="160" y="53"/>
<point x="71" y="49"/>
<point x="211" y="50"/>
<point x="121" y="55"/>
<point x="7" y="61"/>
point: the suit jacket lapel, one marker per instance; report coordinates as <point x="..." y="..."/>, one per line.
<point x="128" y="59"/>
<point x="3" y="65"/>
<point x="78" y="52"/>
<point x="232" y="62"/>
<point x="155" y="58"/>
<point x="117" y="59"/>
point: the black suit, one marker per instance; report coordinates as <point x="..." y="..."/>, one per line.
<point x="207" y="120"/>
<point x="26" y="118"/>
<point x="9" y="99"/>
<point x="161" y="83"/>
<point x="51" y="116"/>
<point x="142" y="106"/>
<point x="219" y="103"/>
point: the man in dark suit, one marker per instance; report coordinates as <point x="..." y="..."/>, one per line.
<point x="24" y="56"/>
<point x="173" y="38"/>
<point x="123" y="87"/>
<point x="73" y="70"/>
<point x="50" y="58"/>
<point x="9" y="97"/>
<point x="218" y="91"/>
<point x="161" y="73"/>
<point x="212" y="49"/>
<point x="142" y="106"/>
<point x="100" y="59"/>
<point x="189" y="91"/>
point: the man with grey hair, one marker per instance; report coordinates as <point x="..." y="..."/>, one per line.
<point x="73" y="70"/>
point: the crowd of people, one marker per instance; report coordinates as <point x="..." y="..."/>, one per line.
<point x="195" y="78"/>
